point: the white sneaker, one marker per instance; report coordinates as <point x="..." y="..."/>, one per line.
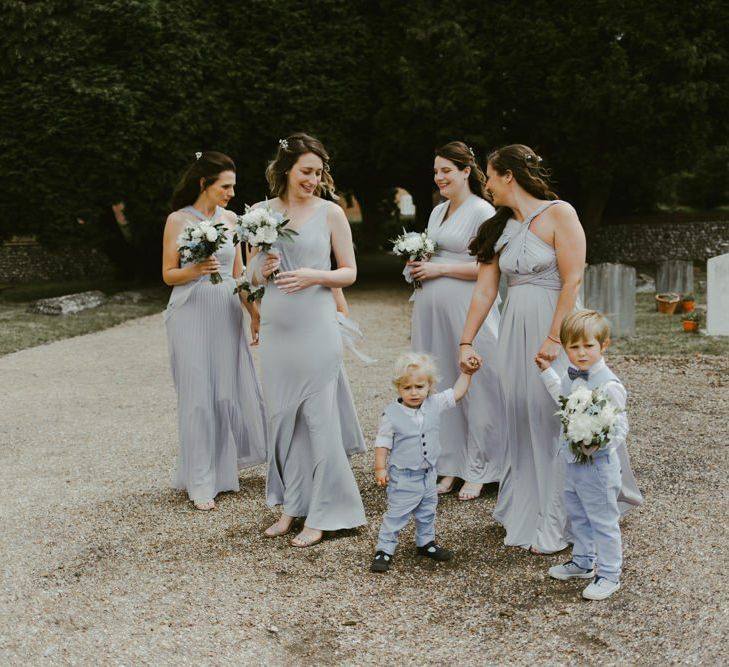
<point x="570" y="570"/>
<point x="600" y="588"/>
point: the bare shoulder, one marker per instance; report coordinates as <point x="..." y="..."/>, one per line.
<point x="335" y="215"/>
<point x="176" y="220"/>
<point x="563" y="213"/>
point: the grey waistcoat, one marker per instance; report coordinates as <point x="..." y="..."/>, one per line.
<point x="411" y="446"/>
<point x="596" y="380"/>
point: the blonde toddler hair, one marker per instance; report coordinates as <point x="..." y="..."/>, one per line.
<point x="584" y="324"/>
<point x="410" y="363"/>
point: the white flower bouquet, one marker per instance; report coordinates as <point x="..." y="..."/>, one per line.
<point x="589" y="421"/>
<point x="416" y="247"/>
<point x="261" y="227"/>
<point x="255" y="292"/>
<point x="200" y="240"/>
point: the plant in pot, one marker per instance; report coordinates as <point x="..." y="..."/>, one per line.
<point x="666" y="302"/>
<point x="688" y="303"/>
<point x="690" y="321"/>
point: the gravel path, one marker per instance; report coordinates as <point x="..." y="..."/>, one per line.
<point x="105" y="564"/>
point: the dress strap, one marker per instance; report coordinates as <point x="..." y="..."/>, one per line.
<point x="199" y="215"/>
<point x="541" y="209"/>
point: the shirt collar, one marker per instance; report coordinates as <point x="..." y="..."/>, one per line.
<point x="410" y="411"/>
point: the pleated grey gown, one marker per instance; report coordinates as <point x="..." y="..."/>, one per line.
<point x="219" y="402"/>
<point x="312" y="422"/>
<point x="529" y="503"/>
<point x="472" y="434"/>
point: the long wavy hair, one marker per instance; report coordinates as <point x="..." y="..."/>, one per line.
<point x="462" y="156"/>
<point x="198" y="175"/>
<point x="526" y="167"/>
<point x="288" y="153"/>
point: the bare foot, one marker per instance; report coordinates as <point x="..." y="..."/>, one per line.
<point x="204" y="505"/>
<point x="445" y="485"/>
<point x="308" y="537"/>
<point x="470" y="491"/>
<point x="281" y="527"/>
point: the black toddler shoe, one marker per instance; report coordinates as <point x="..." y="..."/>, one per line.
<point x="432" y="550"/>
<point x="381" y="562"/>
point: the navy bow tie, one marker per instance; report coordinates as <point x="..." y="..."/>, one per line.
<point x="574" y="374"/>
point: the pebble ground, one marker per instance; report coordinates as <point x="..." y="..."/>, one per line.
<point x="105" y="564"/>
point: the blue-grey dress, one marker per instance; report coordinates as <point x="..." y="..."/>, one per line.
<point x="472" y="434"/>
<point x="219" y="402"/>
<point x="530" y="504"/>
<point x="312" y="422"/>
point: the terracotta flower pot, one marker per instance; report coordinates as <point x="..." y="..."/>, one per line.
<point x="690" y="325"/>
<point x="688" y="306"/>
<point x="666" y="303"/>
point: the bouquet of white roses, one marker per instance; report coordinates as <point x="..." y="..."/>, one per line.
<point x="589" y="422"/>
<point x="417" y="247"/>
<point x="255" y="292"/>
<point x="200" y="240"/>
<point x="261" y="227"/>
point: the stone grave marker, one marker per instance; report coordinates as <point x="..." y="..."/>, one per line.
<point x="717" y="296"/>
<point x="610" y="288"/>
<point x="67" y="304"/>
<point x="675" y="275"/>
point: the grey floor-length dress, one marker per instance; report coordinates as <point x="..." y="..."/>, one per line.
<point x="219" y="402"/>
<point x="312" y="422"/>
<point x="530" y="504"/>
<point x="471" y="435"/>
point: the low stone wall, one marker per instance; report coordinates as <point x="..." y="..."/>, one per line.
<point x="28" y="262"/>
<point x="645" y="243"/>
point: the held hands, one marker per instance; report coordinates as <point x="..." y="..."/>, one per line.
<point x="208" y="266"/>
<point x="549" y="350"/>
<point x="423" y="270"/>
<point x="381" y="477"/>
<point x="295" y="281"/>
<point x="469" y="360"/>
<point x="542" y="363"/>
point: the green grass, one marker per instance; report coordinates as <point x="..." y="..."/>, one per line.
<point x="20" y="329"/>
<point x="656" y="333"/>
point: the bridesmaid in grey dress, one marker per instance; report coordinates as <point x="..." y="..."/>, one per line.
<point x="219" y="404"/>
<point x="471" y="435"/>
<point x="312" y="423"/>
<point x="538" y="242"/>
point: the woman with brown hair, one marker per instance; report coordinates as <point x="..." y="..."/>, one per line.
<point x="471" y="436"/>
<point x="219" y="404"/>
<point x="312" y="423"/>
<point x="538" y="242"/>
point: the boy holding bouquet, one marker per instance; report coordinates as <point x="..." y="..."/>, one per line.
<point x="594" y="426"/>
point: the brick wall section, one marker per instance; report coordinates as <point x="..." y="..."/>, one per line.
<point x="644" y="243"/>
<point x="29" y="262"/>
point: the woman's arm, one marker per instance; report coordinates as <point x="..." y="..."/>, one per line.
<point x="345" y="273"/>
<point x="570" y="248"/>
<point x="429" y="270"/>
<point x="341" y="301"/>
<point x="172" y="273"/>
<point x="484" y="294"/>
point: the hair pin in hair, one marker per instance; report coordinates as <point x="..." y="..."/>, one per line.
<point x="198" y="155"/>
<point x="470" y="150"/>
<point x="284" y="144"/>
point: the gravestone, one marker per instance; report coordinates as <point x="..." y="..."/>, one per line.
<point x="717" y="296"/>
<point x="610" y="288"/>
<point x="70" y="303"/>
<point x="675" y="275"/>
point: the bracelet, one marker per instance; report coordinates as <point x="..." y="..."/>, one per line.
<point x="459" y="344"/>
<point x="553" y="339"/>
